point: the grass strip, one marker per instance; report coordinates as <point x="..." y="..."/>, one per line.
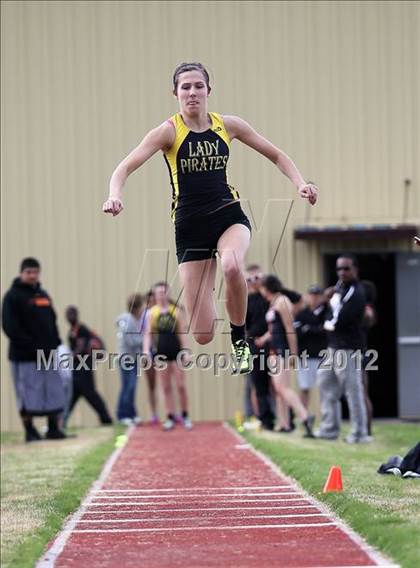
<point x="43" y="483"/>
<point x="382" y="508"/>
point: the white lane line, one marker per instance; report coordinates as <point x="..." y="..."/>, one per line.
<point x="199" y="496"/>
<point x="202" y="509"/>
<point x="377" y="557"/>
<point x="215" y="528"/>
<point x="49" y="559"/>
<point x="118" y="504"/>
<point x="179" y="519"/>
<point x="194" y="489"/>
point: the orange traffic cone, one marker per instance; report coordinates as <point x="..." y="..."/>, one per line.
<point x="334" y="481"/>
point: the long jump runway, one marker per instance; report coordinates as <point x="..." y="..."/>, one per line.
<point x="200" y="499"/>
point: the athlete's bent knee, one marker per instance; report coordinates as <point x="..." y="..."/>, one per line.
<point x="231" y="269"/>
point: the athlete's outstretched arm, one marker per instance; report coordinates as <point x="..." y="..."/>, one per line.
<point x="160" y="138"/>
<point x="238" y="128"/>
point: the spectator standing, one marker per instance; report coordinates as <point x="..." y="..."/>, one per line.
<point x="131" y="328"/>
<point x="340" y="373"/>
<point x="312" y="340"/>
<point x="256" y="327"/>
<point x="283" y="343"/>
<point x="165" y="338"/>
<point x="82" y="341"/>
<point x="282" y="408"/>
<point x="297" y="305"/>
<point x="29" y="321"/>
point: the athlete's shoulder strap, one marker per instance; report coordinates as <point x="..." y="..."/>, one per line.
<point x="181" y="132"/>
<point x="154" y="316"/>
<point x="219" y="127"/>
<point x="174" y="311"/>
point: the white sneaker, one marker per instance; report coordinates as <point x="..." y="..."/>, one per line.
<point x="137" y="420"/>
<point x="395" y="471"/>
<point x="365" y="439"/>
<point x="252" y="424"/>
<point x="187" y="424"/>
<point x="412" y="474"/>
<point x="352" y="439"/>
<point x="168" y="424"/>
<point x="126" y="421"/>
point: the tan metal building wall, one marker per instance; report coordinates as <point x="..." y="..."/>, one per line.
<point x="335" y="84"/>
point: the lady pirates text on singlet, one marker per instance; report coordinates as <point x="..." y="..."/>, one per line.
<point x="197" y="164"/>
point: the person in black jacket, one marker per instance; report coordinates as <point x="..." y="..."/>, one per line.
<point x="29" y="321"/>
<point x="312" y="340"/>
<point x="340" y="371"/>
<point x="81" y="343"/>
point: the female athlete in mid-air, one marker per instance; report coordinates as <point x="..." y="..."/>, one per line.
<point x="206" y="210"/>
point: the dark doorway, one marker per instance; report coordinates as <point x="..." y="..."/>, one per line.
<point x="379" y="268"/>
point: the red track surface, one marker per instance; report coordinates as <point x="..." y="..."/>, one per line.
<point x="201" y="499"/>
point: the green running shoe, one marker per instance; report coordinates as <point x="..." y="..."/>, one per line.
<point x="241" y="357"/>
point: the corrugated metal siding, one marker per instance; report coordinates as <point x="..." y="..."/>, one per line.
<point x="335" y="84"/>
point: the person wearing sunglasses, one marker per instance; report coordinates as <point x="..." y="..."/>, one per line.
<point x="340" y="370"/>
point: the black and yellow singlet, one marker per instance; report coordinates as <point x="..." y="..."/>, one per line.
<point x="164" y="329"/>
<point x="197" y="167"/>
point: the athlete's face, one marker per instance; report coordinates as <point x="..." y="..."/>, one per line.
<point x="192" y="92"/>
<point x="161" y="294"/>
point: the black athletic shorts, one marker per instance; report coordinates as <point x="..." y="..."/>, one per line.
<point x="168" y="345"/>
<point x="197" y="237"/>
<point x="168" y="355"/>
